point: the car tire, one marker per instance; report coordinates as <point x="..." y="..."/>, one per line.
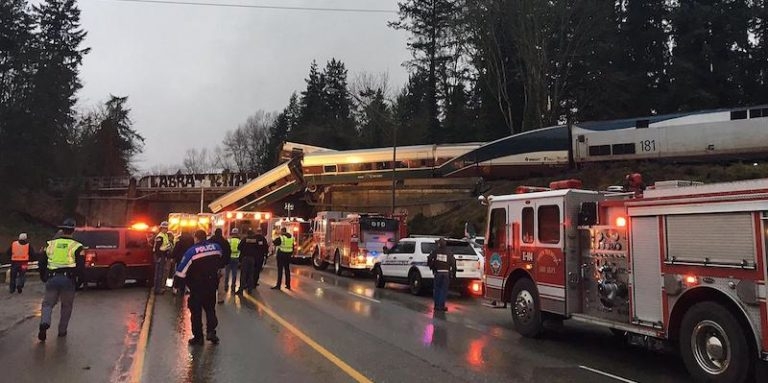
<point x="714" y="345"/>
<point x="317" y="262"/>
<point x="337" y="264"/>
<point x="415" y="283"/>
<point x="116" y="276"/>
<point x="378" y="277"/>
<point x="526" y="308"/>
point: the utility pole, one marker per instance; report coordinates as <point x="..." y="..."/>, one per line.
<point x="394" y="165"/>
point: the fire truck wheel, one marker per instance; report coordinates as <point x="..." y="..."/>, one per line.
<point x="337" y="263"/>
<point x="415" y="282"/>
<point x="116" y="276"/>
<point x="714" y="345"/>
<point x="526" y="312"/>
<point x="379" y="277"/>
<point x="317" y="262"/>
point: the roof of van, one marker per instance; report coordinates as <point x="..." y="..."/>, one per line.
<point x="538" y="195"/>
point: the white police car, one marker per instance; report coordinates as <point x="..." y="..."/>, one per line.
<point x="406" y="263"/>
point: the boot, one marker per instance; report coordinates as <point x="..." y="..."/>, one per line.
<point x="41" y="334"/>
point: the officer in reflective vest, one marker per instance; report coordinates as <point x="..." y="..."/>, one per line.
<point x="284" y="245"/>
<point x="20" y="253"/>
<point x="234" y="261"/>
<point x="161" y="252"/>
<point x="64" y="262"/>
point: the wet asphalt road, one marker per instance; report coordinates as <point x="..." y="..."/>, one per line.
<point x="385" y="335"/>
<point x="99" y="347"/>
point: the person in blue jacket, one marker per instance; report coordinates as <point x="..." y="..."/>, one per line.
<point x="199" y="268"/>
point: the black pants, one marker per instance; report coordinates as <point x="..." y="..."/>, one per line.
<point x="257" y="269"/>
<point x="246" y="273"/>
<point x="284" y="263"/>
<point x="202" y="296"/>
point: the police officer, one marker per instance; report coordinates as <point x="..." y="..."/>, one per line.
<point x="285" y="248"/>
<point x="20" y="253"/>
<point x="442" y="262"/>
<point x="253" y="249"/>
<point x="199" y="268"/>
<point x="161" y="252"/>
<point x="183" y="242"/>
<point x="64" y="262"/>
<point x="234" y="261"/>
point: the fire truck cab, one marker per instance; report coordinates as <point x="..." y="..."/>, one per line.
<point x="351" y="241"/>
<point x="683" y="263"/>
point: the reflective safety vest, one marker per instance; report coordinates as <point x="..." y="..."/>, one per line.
<point x="286" y="244"/>
<point x="233" y="243"/>
<point x="61" y="253"/>
<point x="167" y="245"/>
<point x="19" y="252"/>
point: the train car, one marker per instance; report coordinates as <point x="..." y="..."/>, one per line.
<point x="291" y="149"/>
<point x="724" y="134"/>
<point x="268" y="187"/>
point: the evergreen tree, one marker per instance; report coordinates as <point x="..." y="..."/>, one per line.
<point x="757" y="74"/>
<point x="434" y="42"/>
<point x="55" y="82"/>
<point x="376" y="121"/>
<point x="709" y="56"/>
<point x="110" y="142"/>
<point x="411" y="111"/>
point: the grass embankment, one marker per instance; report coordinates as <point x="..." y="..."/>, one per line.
<point x="594" y="177"/>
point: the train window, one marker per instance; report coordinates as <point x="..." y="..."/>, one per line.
<point x="329" y="168"/>
<point x="527" y="225"/>
<point x="640" y="124"/>
<point x="738" y="114"/>
<point x="600" y="150"/>
<point x="497" y="228"/>
<point x="755" y="113"/>
<point x="549" y="224"/>
<point x="624" y="148"/>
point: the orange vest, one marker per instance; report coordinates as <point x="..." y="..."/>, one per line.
<point x="19" y="252"/>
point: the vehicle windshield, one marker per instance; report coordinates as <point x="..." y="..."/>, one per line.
<point x="374" y="242"/>
<point x="101" y="239"/>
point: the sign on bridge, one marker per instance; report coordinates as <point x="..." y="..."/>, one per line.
<point x="190" y="181"/>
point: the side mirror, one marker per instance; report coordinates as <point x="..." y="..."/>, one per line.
<point x="385" y="250"/>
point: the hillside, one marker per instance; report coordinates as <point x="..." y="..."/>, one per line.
<point x="596" y="177"/>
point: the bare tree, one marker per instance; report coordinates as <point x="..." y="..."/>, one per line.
<point x="196" y="161"/>
<point x="247" y="145"/>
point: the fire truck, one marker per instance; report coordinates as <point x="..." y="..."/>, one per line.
<point x="243" y="221"/>
<point x="682" y="263"/>
<point x="180" y="222"/>
<point x="351" y="241"/>
<point x="300" y="229"/>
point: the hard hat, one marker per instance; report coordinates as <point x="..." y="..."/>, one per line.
<point x="23" y="237"/>
<point x="235" y="231"/>
<point x="164" y="224"/>
<point x="68" y="224"/>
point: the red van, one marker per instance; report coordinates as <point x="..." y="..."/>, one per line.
<point x="114" y="254"/>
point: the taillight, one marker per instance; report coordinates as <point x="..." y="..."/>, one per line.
<point x="90" y="258"/>
<point x="476" y="287"/>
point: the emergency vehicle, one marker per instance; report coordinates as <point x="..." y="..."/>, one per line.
<point x="301" y="231"/>
<point x="682" y="263"/>
<point x="243" y="221"/>
<point x="180" y="222"/>
<point x="352" y="241"/>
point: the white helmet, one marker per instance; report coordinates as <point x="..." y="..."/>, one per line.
<point x="164" y="224"/>
<point x="235" y="231"/>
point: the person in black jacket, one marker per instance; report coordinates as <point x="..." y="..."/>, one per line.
<point x="226" y="254"/>
<point x="443" y="263"/>
<point x="200" y="267"/>
<point x="253" y="249"/>
<point x="185" y="241"/>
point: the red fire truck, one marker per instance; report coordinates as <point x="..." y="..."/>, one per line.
<point x="682" y="263"/>
<point x="351" y="240"/>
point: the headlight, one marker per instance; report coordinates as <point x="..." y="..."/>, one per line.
<point x="369" y="260"/>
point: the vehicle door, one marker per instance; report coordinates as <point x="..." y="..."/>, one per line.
<point x="138" y="248"/>
<point x="498" y="249"/>
<point x="102" y="246"/>
<point x="398" y="260"/>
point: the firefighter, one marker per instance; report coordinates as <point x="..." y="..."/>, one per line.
<point x="234" y="261"/>
<point x="443" y="263"/>
<point x="183" y="242"/>
<point x="161" y="252"/>
<point x="64" y="261"/>
<point x="254" y="249"/>
<point x="200" y="267"/>
<point x="285" y="248"/>
<point x="226" y="252"/>
<point x="20" y="252"/>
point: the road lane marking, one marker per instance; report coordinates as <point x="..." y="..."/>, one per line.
<point x="603" y="373"/>
<point x="141" y="346"/>
<point x="364" y="297"/>
<point x="357" y="376"/>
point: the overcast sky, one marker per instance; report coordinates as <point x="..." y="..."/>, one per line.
<point x="192" y="73"/>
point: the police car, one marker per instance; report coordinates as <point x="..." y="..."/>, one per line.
<point x="406" y="263"/>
